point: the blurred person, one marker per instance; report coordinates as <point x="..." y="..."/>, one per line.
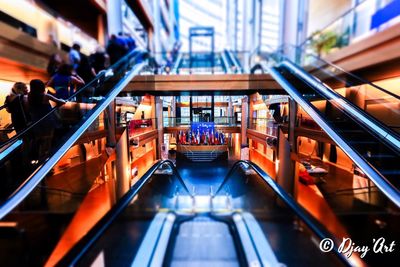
<point x="130" y="42"/>
<point x="85" y="69"/>
<point x="116" y="48"/>
<point x="17" y="105"/>
<point x="75" y="56"/>
<point x="52" y="40"/>
<point x="39" y="106"/>
<point x="55" y="62"/>
<point x="99" y="60"/>
<point x="64" y="82"/>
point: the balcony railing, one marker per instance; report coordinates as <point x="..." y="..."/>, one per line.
<point x="186" y="121"/>
<point x="264" y="125"/>
<point x="366" y="18"/>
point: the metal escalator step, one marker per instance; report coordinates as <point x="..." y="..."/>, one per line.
<point x="204" y="242"/>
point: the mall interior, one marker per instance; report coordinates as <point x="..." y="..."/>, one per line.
<point x="199" y="133"/>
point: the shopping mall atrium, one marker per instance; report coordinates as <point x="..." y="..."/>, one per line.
<point x="200" y="133"/>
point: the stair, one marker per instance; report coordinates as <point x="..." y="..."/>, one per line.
<point x="203" y="156"/>
<point x="204" y="242"/>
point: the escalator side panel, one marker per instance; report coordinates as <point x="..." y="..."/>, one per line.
<point x="383" y="174"/>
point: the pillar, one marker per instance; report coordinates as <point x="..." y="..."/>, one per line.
<point x="285" y="172"/>
<point x="109" y="121"/>
<point x="293" y="23"/>
<point x="114" y="16"/>
<point x="160" y="125"/>
<point x="229" y="113"/>
<point x="293" y="108"/>
<point x="157" y="30"/>
<point x="245" y="117"/>
<point x="122" y="165"/>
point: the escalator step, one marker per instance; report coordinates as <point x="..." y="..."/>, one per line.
<point x="204" y="242"/>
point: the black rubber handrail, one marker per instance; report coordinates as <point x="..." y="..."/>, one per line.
<point x="281" y="49"/>
<point x="130" y="56"/>
<point x="312" y="223"/>
<point x="59" y="151"/>
<point x="292" y="67"/>
<point x="78" y="250"/>
<point x="379" y="180"/>
<point x="284" y="60"/>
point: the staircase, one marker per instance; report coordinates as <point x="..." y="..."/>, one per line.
<point x="203" y="156"/>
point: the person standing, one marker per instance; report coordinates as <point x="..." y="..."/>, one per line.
<point x="99" y="60"/>
<point x="39" y="106"/>
<point x="17" y="104"/>
<point x="54" y="64"/>
<point x="64" y="82"/>
<point x="75" y="56"/>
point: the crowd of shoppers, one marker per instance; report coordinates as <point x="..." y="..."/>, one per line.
<point x="119" y="45"/>
<point x="66" y="76"/>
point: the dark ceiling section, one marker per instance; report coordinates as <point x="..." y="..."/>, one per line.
<point x="82" y="13"/>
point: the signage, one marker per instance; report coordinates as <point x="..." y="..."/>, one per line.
<point x="202" y="127"/>
<point x="385" y="14"/>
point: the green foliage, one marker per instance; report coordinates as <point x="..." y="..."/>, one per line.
<point x="322" y="42"/>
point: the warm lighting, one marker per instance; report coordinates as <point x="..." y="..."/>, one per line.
<point x="146" y="100"/>
<point x="276" y="165"/>
<point x="259" y="106"/>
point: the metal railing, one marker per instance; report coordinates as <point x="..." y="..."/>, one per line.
<point x="83" y="246"/>
<point x="348" y="28"/>
<point x="384" y="185"/>
<point x="186" y="121"/>
<point x="301" y="213"/>
<point x="122" y="72"/>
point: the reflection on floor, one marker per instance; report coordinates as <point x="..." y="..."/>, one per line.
<point x="203" y="178"/>
<point x="94" y="206"/>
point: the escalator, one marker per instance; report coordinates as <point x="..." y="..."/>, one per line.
<point x="230" y="62"/>
<point x="28" y="157"/>
<point x="248" y="221"/>
<point x="373" y="146"/>
<point x="202" y="63"/>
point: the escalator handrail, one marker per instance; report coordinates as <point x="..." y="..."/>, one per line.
<point x="79" y="249"/>
<point x="175" y="68"/>
<point x="332" y="65"/>
<point x="234" y="61"/>
<point x="312" y="223"/>
<point x="350" y="108"/>
<point x="380" y="181"/>
<point x="225" y="63"/>
<point x="378" y="127"/>
<point x="34" y="179"/>
<point x="132" y="55"/>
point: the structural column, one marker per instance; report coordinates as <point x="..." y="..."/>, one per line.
<point x="293" y="23"/>
<point x="157" y="29"/>
<point x="109" y="121"/>
<point x="114" y="16"/>
<point x="122" y="165"/>
<point x="293" y="109"/>
<point x="245" y="116"/>
<point x="287" y="173"/>
<point x="159" y="124"/>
